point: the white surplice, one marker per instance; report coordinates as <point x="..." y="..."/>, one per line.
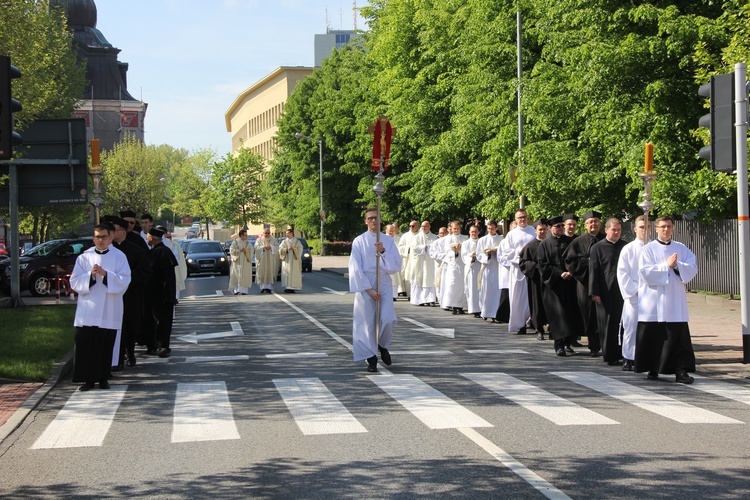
<point x="489" y="283"/>
<point x="362" y="276"/>
<point x="472" y="269"/>
<point x="453" y="285"/>
<point x="518" y="293"/>
<point x="98" y="304"/>
<point x="627" y="279"/>
<point x="661" y="290"/>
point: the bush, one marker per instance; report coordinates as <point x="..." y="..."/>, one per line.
<point x="338" y="248"/>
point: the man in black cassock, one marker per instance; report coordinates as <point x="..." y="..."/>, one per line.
<point x="605" y="291"/>
<point x="528" y="265"/>
<point x="140" y="267"/>
<point x="162" y="291"/>
<point x="577" y="263"/>
<point x="571" y="225"/>
<point x="558" y="294"/>
<point x="132" y="235"/>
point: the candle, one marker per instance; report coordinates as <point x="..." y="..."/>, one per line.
<point x="649" y="166"/>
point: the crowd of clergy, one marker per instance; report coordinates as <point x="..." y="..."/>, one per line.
<point x="130" y="280"/>
<point x="627" y="300"/>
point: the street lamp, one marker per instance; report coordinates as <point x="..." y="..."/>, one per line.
<point x="322" y="213"/>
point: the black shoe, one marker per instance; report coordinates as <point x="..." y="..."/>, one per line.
<point x="461" y="310"/>
<point x="540" y="336"/>
<point x="455" y="310"/>
<point x="652" y="375"/>
<point x="613" y="363"/>
<point x="372" y="364"/>
<point x="522" y="331"/>
<point x="560" y="352"/>
<point x="385" y="356"/>
<point x="165" y="353"/>
<point x="152" y="351"/>
<point x="477" y="315"/>
<point x="595" y="353"/>
<point x="103" y="384"/>
<point x="627" y="366"/>
<point x="117" y="368"/>
<point x="575" y="343"/>
<point x="86" y="387"/>
<point x="569" y="349"/>
<point x="131" y="360"/>
<point x="682" y="377"/>
<point x="236" y="293"/>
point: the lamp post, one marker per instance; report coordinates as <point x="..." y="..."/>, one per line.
<point x="298" y="135"/>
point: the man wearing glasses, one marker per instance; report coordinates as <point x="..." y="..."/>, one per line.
<point x="132" y="235"/>
<point x="100" y="277"/>
<point x="366" y="253"/>
<point x="663" y="342"/>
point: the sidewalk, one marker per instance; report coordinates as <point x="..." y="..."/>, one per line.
<point x="715" y="327"/>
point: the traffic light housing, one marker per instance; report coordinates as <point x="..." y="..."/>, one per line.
<point x="8" y="106"/>
<point x="720" y="121"/>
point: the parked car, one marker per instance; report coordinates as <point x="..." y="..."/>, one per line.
<point x="3" y="250"/>
<point x="306" y="255"/>
<point x="184" y="244"/>
<point x="206" y="257"/>
<point x="54" y="258"/>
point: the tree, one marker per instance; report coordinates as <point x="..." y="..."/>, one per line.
<point x="131" y="180"/>
<point x="36" y="38"/>
<point x="234" y="193"/>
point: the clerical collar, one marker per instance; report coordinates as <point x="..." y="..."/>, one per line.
<point x="101" y="252"/>
<point x="664" y="242"/>
<point x="610" y="241"/>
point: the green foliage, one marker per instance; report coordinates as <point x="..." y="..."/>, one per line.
<point x="39" y="44"/>
<point x="600" y="79"/>
<point x="234" y="189"/>
<point x="131" y="180"/>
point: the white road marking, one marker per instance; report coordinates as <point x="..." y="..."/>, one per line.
<point x="210" y="359"/>
<point x="194" y="338"/>
<point x="554" y="408"/>
<point x="443" y="332"/>
<point x="151" y="361"/>
<point x="514" y="465"/>
<point x="314" y="408"/>
<point x="433" y="408"/>
<point x="647" y="400"/>
<point x="202" y="412"/>
<point x="496" y="351"/>
<point x="218" y="293"/>
<point x="331" y="290"/>
<point x="422" y="353"/>
<point x="84" y="420"/>
<point x="723" y="389"/>
<point x="297" y="355"/>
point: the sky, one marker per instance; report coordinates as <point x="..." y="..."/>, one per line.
<point x="190" y="59"/>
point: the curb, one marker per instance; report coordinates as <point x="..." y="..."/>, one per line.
<point x="61" y="370"/>
<point x="336" y="270"/>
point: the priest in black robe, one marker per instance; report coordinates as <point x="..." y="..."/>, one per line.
<point x="577" y="263"/>
<point x="605" y="291"/>
<point x="558" y="294"/>
<point x="528" y="265"/>
<point x="162" y="291"/>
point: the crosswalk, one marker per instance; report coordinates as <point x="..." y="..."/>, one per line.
<point x="203" y="410"/>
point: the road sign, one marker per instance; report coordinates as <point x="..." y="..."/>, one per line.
<point x="52" y="164"/>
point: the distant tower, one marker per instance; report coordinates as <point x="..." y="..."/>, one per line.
<point x="109" y="109"/>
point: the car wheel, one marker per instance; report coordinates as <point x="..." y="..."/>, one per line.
<point x="38" y="285"/>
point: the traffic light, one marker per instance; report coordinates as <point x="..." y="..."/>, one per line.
<point x="721" y="153"/>
<point x="8" y="106"/>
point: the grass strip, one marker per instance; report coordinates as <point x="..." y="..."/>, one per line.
<point x="33" y="339"/>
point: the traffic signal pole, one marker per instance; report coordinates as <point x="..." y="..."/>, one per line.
<point x="743" y="214"/>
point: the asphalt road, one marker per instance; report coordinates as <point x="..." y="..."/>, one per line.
<point x="261" y="399"/>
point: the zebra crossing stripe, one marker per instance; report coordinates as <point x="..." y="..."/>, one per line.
<point x="645" y="399"/>
<point x="83" y="421"/>
<point x="723" y="389"/>
<point x="433" y="408"/>
<point x="211" y="359"/>
<point x="314" y="408"/>
<point x="554" y="408"/>
<point x="497" y="351"/>
<point x="202" y="412"/>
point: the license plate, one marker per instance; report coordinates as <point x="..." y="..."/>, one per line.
<point x="207" y="265"/>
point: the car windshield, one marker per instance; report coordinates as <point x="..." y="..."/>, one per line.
<point x="43" y="249"/>
<point x="205" y="247"/>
